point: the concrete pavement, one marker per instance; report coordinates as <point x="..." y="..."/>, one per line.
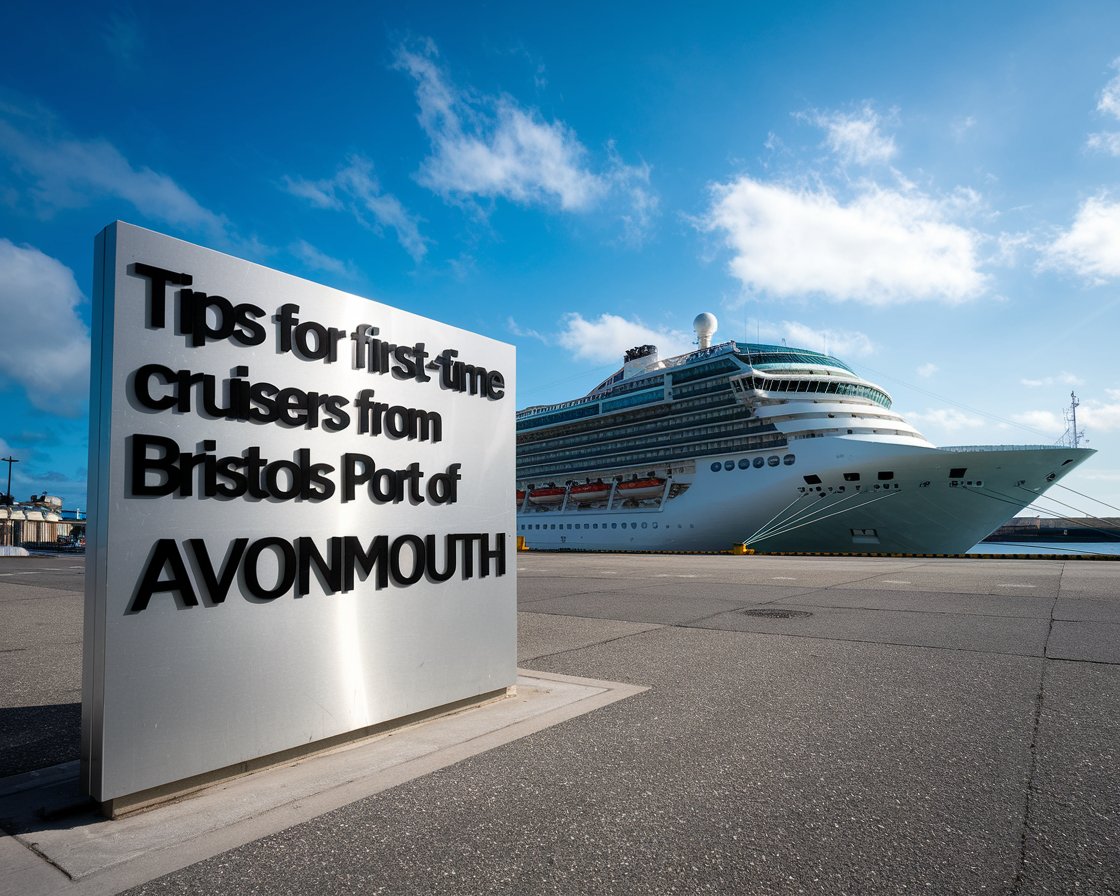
<point x="810" y="725"/>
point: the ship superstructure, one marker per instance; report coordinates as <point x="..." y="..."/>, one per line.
<point x="773" y="447"/>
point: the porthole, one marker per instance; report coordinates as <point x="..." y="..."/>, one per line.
<point x="716" y="467"/>
<point x="643" y="525"/>
<point x="758" y="463"/>
<point x="614" y="525"/>
<point x="744" y="464"/>
<point x="729" y="465"/>
<point x="789" y="460"/>
<point x="773" y="460"/>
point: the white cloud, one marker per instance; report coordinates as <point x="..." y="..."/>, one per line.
<point x="884" y="247"/>
<point x="1091" y="246"/>
<point x="927" y="370"/>
<point x="517" y="330"/>
<point x="945" y="420"/>
<point x="355" y="188"/>
<point x="857" y="137"/>
<point x="606" y="338"/>
<point x="840" y="343"/>
<point x="1108" y="104"/>
<point x="1100" y="416"/>
<point x="961" y="126"/>
<point x="46" y="345"/>
<point x="1093" y="416"/>
<point x="1106" y="142"/>
<point x="320" y="261"/>
<point x="1042" y="421"/>
<point x="69" y="173"/>
<point x="1058" y="379"/>
<point x="493" y="148"/>
<point x="1109" y="101"/>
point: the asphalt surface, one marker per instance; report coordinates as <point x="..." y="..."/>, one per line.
<point x="884" y="726"/>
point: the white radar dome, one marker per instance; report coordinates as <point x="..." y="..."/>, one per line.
<point x="705" y="325"/>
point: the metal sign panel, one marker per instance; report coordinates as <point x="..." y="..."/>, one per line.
<point x="300" y="521"/>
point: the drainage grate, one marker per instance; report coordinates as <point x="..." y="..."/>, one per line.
<point x="774" y="613"/>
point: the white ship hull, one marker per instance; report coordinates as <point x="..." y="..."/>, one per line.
<point x="773" y="509"/>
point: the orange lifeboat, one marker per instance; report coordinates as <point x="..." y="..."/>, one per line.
<point x="642" y="489"/>
<point x="590" y="491"/>
<point x="552" y="494"/>
<point x="520" y="496"/>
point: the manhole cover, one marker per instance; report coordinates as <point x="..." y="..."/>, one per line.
<point x="774" y="613"/>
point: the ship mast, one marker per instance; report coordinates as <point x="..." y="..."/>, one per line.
<point x="1074" y="436"/>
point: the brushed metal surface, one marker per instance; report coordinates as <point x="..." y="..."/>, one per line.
<point x="176" y="690"/>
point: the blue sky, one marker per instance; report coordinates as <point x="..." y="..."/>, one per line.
<point x="929" y="191"/>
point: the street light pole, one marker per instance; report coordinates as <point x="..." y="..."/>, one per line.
<point x="9" y="461"/>
<point x="9" y="529"/>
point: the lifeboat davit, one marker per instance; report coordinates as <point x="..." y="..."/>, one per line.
<point x="552" y="494"/>
<point x="590" y="491"/>
<point x="642" y="489"/>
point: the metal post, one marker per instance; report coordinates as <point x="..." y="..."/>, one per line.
<point x="9" y="461"/>
<point x="9" y="529"/>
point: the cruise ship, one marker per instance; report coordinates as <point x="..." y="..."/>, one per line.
<point x="761" y="447"/>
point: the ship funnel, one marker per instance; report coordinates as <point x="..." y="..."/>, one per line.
<point x="639" y="359"/>
<point x="705" y="325"/>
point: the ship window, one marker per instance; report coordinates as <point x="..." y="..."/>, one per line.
<point x="884" y="475"/>
<point x="758" y="462"/>
<point x="744" y="464"/>
<point x="958" y="472"/>
<point x="851" y="477"/>
<point x="812" y="479"/>
<point x="789" y="460"/>
<point x="614" y="525"/>
<point x="716" y="467"/>
<point x="643" y="525"/>
<point x="729" y="465"/>
<point x="773" y="460"/>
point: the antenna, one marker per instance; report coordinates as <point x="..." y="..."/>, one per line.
<point x="1073" y="436"/>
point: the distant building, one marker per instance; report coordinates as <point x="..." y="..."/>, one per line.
<point x="40" y="521"/>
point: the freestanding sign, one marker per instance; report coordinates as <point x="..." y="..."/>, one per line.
<point x="300" y="515"/>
